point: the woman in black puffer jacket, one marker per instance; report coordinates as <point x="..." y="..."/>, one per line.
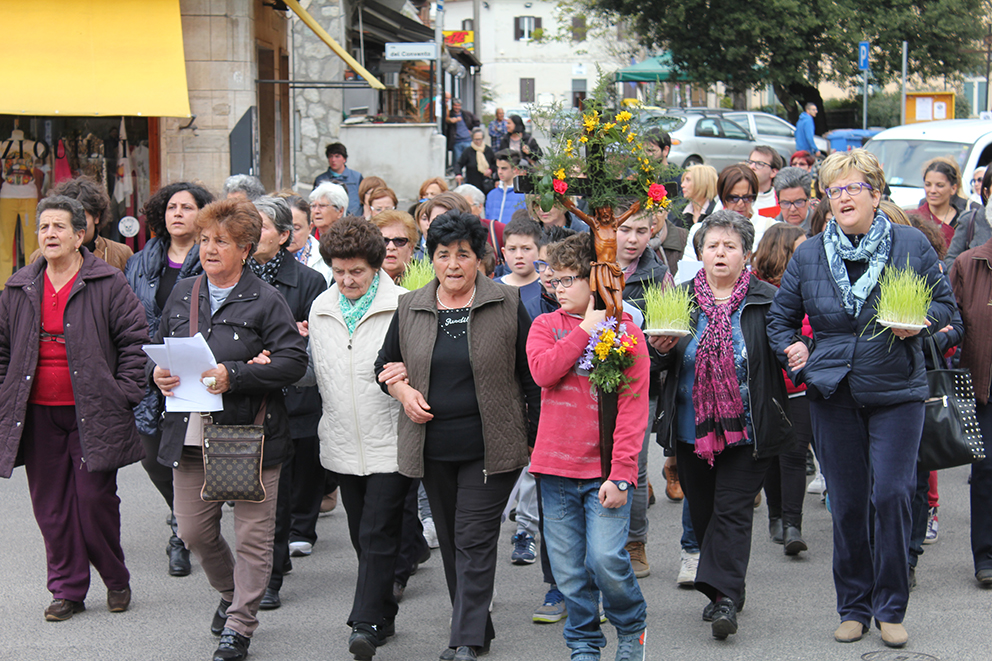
<point x="170" y="256"/>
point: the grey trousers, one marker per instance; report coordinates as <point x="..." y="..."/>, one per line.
<point x="243" y="582"/>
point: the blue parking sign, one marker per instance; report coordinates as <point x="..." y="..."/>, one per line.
<point x="863" y="56"/>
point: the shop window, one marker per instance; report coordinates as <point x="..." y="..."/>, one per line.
<point x="527" y="90"/>
<point x="467" y="25"/>
<point x="524" y="27"/>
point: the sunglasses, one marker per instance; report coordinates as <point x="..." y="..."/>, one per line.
<point x="398" y="241"/>
<point x="737" y="199"/>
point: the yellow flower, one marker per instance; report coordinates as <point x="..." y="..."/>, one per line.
<point x="583" y="139"/>
<point x="623" y="116"/>
<point x="624" y="128"/>
<point x="568" y="145"/>
<point x="607" y="127"/>
<point x="591" y="121"/>
<point x="560" y="173"/>
<point x="631" y="136"/>
<point x="649" y="203"/>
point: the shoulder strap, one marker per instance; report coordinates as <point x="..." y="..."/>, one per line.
<point x="260" y="417"/>
<point x="971" y="229"/>
<point x="194" y="307"/>
<point x="492" y="235"/>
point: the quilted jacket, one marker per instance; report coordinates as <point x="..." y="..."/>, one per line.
<point x="881" y="370"/>
<point x="357" y="429"/>
<point x="509" y="400"/>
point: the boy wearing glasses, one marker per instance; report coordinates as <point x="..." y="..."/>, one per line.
<point x="587" y="517"/>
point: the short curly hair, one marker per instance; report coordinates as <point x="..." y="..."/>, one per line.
<point x="574" y="253"/>
<point x="154" y="208"/>
<point x="238" y="217"/>
<point x="353" y="237"/>
<point x="87" y="192"/>
<point x="454" y="226"/>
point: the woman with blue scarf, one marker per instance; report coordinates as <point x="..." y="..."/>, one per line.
<point x="357" y="428"/>
<point x="866" y="384"/>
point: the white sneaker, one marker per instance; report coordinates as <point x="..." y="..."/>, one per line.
<point x="297" y="549"/>
<point x="932" y="527"/>
<point x="818" y="485"/>
<point x="430" y="533"/>
<point x="687" y="571"/>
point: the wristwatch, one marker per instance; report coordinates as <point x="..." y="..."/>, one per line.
<point x="621" y="484"/>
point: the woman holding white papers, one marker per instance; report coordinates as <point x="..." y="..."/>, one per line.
<point x="239" y="315"/>
<point x="71" y="368"/>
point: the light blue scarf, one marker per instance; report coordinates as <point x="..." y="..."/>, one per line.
<point x="874" y="249"/>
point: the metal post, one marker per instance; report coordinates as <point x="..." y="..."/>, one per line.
<point x="476" y="22"/>
<point x="988" y="66"/>
<point x="905" y="62"/>
<point x="864" y="118"/>
<point x="439" y="72"/>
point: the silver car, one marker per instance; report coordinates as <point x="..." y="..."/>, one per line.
<point x="773" y="131"/>
<point x="701" y="138"/>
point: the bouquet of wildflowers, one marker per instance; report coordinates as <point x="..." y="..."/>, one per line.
<point x="608" y="355"/>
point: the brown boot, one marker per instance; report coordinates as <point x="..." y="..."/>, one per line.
<point x="118" y="600"/>
<point x="673" y="490"/>
<point x="638" y="559"/>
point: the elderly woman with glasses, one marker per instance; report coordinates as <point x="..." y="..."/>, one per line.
<point x="792" y="187"/>
<point x="866" y="384"/>
<point x="328" y="204"/>
<point x="400" y="234"/>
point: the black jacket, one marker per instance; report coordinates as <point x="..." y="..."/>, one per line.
<point x="525" y="139"/>
<point x="300" y="285"/>
<point x="254" y="317"/>
<point x="769" y="400"/>
<point x="468" y="163"/>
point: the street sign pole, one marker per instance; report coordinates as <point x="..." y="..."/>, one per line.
<point x="863" y="65"/>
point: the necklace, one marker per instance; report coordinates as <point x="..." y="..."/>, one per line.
<point x="722" y="298"/>
<point x="442" y="306"/>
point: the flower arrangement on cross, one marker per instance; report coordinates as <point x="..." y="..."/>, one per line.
<point x="600" y="156"/>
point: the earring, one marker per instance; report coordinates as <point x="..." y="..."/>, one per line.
<point x="243" y="262"/>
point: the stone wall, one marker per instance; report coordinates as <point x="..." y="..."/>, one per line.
<point x="318" y="111"/>
<point x="402" y="154"/>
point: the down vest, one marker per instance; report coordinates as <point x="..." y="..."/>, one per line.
<point x="357" y="430"/>
<point x="104" y="331"/>
<point x="143" y="273"/>
<point x="509" y="400"/>
<point x="881" y="370"/>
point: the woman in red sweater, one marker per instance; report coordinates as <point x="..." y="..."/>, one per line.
<point x="587" y="514"/>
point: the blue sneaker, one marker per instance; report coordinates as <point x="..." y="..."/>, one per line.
<point x="553" y="608"/>
<point x="631" y="648"/>
<point x="524" y="549"/>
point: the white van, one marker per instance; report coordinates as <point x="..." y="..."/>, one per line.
<point x="903" y="150"/>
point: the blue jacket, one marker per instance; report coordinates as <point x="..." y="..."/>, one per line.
<point x="143" y="272"/>
<point x="804" y="134"/>
<point x="881" y="370"/>
<point x="350" y="179"/>
<point x="495" y="203"/>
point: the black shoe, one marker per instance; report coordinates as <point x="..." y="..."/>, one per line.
<point x="270" y="601"/>
<point x="220" y="618"/>
<point x="724" y="618"/>
<point x="179" y="564"/>
<point x="233" y="646"/>
<point x="709" y="612"/>
<point x="425" y="556"/>
<point x="794" y="542"/>
<point x="386" y="630"/>
<point x="363" y="641"/>
<point x="775" y="529"/>
<point x="465" y="653"/>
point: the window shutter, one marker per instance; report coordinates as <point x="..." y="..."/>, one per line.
<point x="537" y="22"/>
<point x="517" y="30"/>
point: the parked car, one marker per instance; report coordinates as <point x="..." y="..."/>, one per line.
<point x="903" y="150"/>
<point x="703" y="138"/>
<point x="773" y="131"/>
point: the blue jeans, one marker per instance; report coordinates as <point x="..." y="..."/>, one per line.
<point x="868" y="457"/>
<point x="688" y="542"/>
<point x="586" y="545"/>
<point x="456" y="151"/>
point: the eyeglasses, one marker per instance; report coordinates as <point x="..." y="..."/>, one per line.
<point x="976" y="180"/>
<point x="565" y="282"/>
<point x="376" y="210"/>
<point x="798" y="204"/>
<point x="852" y="189"/>
<point x="737" y="199"/>
<point x="757" y="164"/>
<point x="318" y="205"/>
<point x="540" y="266"/>
<point x="48" y="337"/>
<point x="398" y="241"/>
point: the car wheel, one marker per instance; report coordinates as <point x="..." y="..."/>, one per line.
<point x="692" y="160"/>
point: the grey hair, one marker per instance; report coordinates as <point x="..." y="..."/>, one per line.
<point x="471" y="193"/>
<point x="478" y="130"/>
<point x="63" y="203"/>
<point x="727" y="219"/>
<point x="278" y="211"/>
<point x="335" y="194"/>
<point x="792" y="178"/>
<point x="244" y="183"/>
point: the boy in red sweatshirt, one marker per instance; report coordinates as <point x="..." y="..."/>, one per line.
<point x="586" y="518"/>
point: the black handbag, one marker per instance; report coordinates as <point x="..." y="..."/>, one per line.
<point x="951" y="435"/>
<point x="232" y="454"/>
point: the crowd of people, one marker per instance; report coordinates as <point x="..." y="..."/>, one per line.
<point x="437" y="410"/>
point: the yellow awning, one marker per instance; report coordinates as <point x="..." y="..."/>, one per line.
<point x="334" y="46"/>
<point x="93" y="57"/>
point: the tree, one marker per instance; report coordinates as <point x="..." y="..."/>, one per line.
<point x="795" y="45"/>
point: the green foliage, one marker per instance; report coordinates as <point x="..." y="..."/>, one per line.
<point x="418" y="273"/>
<point x="904" y="296"/>
<point x="668" y="308"/>
<point x="726" y="102"/>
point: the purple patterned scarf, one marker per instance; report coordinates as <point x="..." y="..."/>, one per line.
<point x="716" y="394"/>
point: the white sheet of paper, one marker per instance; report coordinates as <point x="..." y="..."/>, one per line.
<point x="688" y="268"/>
<point x="924" y="108"/>
<point x="187" y="358"/>
<point x="939" y="110"/>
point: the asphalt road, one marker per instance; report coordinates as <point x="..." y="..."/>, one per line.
<point x="790" y="613"/>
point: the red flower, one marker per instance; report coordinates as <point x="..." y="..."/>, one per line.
<point x="657" y="192"/>
<point x="560" y="186"/>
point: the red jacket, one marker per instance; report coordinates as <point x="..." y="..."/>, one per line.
<point x="568" y="432"/>
<point x="105" y="327"/>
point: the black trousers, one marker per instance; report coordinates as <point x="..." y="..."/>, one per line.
<point x="298" y="480"/>
<point x="785" y="482"/>
<point x="161" y="476"/>
<point x="981" y="496"/>
<point x="374" y="504"/>
<point x="413" y="546"/>
<point x="467" y="507"/>
<point x="721" y="505"/>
